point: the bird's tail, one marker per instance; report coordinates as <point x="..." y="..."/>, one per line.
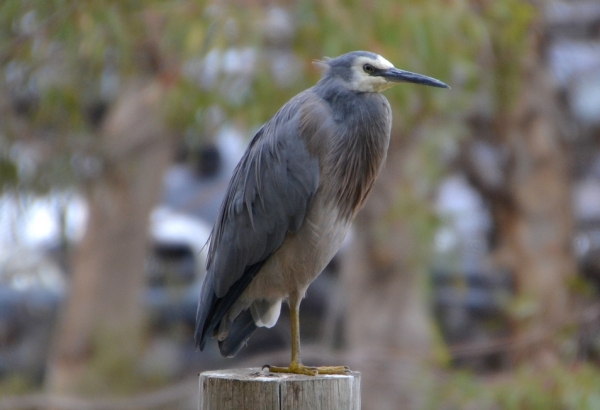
<point x="242" y="328"/>
<point x="212" y="309"/>
<point x="205" y="306"/>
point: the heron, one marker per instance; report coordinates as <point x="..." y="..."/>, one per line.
<point x="292" y="198"/>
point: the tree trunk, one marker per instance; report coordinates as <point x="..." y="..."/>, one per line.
<point x="532" y="209"/>
<point x="537" y="229"/>
<point x="388" y="324"/>
<point x="102" y="323"/>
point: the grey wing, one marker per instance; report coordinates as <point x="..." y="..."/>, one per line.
<point x="268" y="197"/>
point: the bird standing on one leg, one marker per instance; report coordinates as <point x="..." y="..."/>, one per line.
<point x="292" y="198"/>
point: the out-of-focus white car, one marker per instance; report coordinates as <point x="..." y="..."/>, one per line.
<point x="176" y="265"/>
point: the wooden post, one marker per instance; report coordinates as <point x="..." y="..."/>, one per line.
<point x="254" y="389"/>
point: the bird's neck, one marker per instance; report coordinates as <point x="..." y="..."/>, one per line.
<point x="357" y="154"/>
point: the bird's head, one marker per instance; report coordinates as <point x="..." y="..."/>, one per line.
<point x="363" y="71"/>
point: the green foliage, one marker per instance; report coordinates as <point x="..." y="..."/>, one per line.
<point x="115" y="370"/>
<point x="563" y="387"/>
<point x="509" y="26"/>
<point x="8" y="173"/>
<point x="15" y="384"/>
<point x="77" y="53"/>
<point x="449" y="40"/>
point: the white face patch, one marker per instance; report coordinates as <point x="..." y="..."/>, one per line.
<point x="363" y="82"/>
<point x="384" y="63"/>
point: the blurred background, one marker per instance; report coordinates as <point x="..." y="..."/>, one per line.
<point x="469" y="281"/>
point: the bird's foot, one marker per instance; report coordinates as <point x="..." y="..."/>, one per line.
<point x="299" y="368"/>
<point x="295" y="368"/>
<point x="333" y="370"/>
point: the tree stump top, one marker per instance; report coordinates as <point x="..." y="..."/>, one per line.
<point x="253" y="388"/>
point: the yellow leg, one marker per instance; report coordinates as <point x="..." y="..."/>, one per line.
<point x="296" y="365"/>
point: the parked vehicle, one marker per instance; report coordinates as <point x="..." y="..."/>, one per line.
<point x="176" y="265"/>
<point x="32" y="287"/>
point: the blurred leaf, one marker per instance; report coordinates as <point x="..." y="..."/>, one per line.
<point x="559" y="387"/>
<point x="9" y="175"/>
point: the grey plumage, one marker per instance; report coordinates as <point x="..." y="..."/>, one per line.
<point x="292" y="197"/>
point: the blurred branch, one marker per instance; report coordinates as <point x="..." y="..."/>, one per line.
<point x="508" y="344"/>
<point x="10" y="49"/>
<point x="494" y="192"/>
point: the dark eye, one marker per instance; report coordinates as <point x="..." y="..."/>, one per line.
<point x="368" y="68"/>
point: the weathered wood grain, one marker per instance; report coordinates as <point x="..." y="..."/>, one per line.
<point x="254" y="389"/>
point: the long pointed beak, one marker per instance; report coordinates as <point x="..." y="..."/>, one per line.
<point x="400" y="76"/>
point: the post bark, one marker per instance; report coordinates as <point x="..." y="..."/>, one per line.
<point x="254" y="389"/>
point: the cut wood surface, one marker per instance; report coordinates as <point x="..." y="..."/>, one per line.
<point x="255" y="389"/>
